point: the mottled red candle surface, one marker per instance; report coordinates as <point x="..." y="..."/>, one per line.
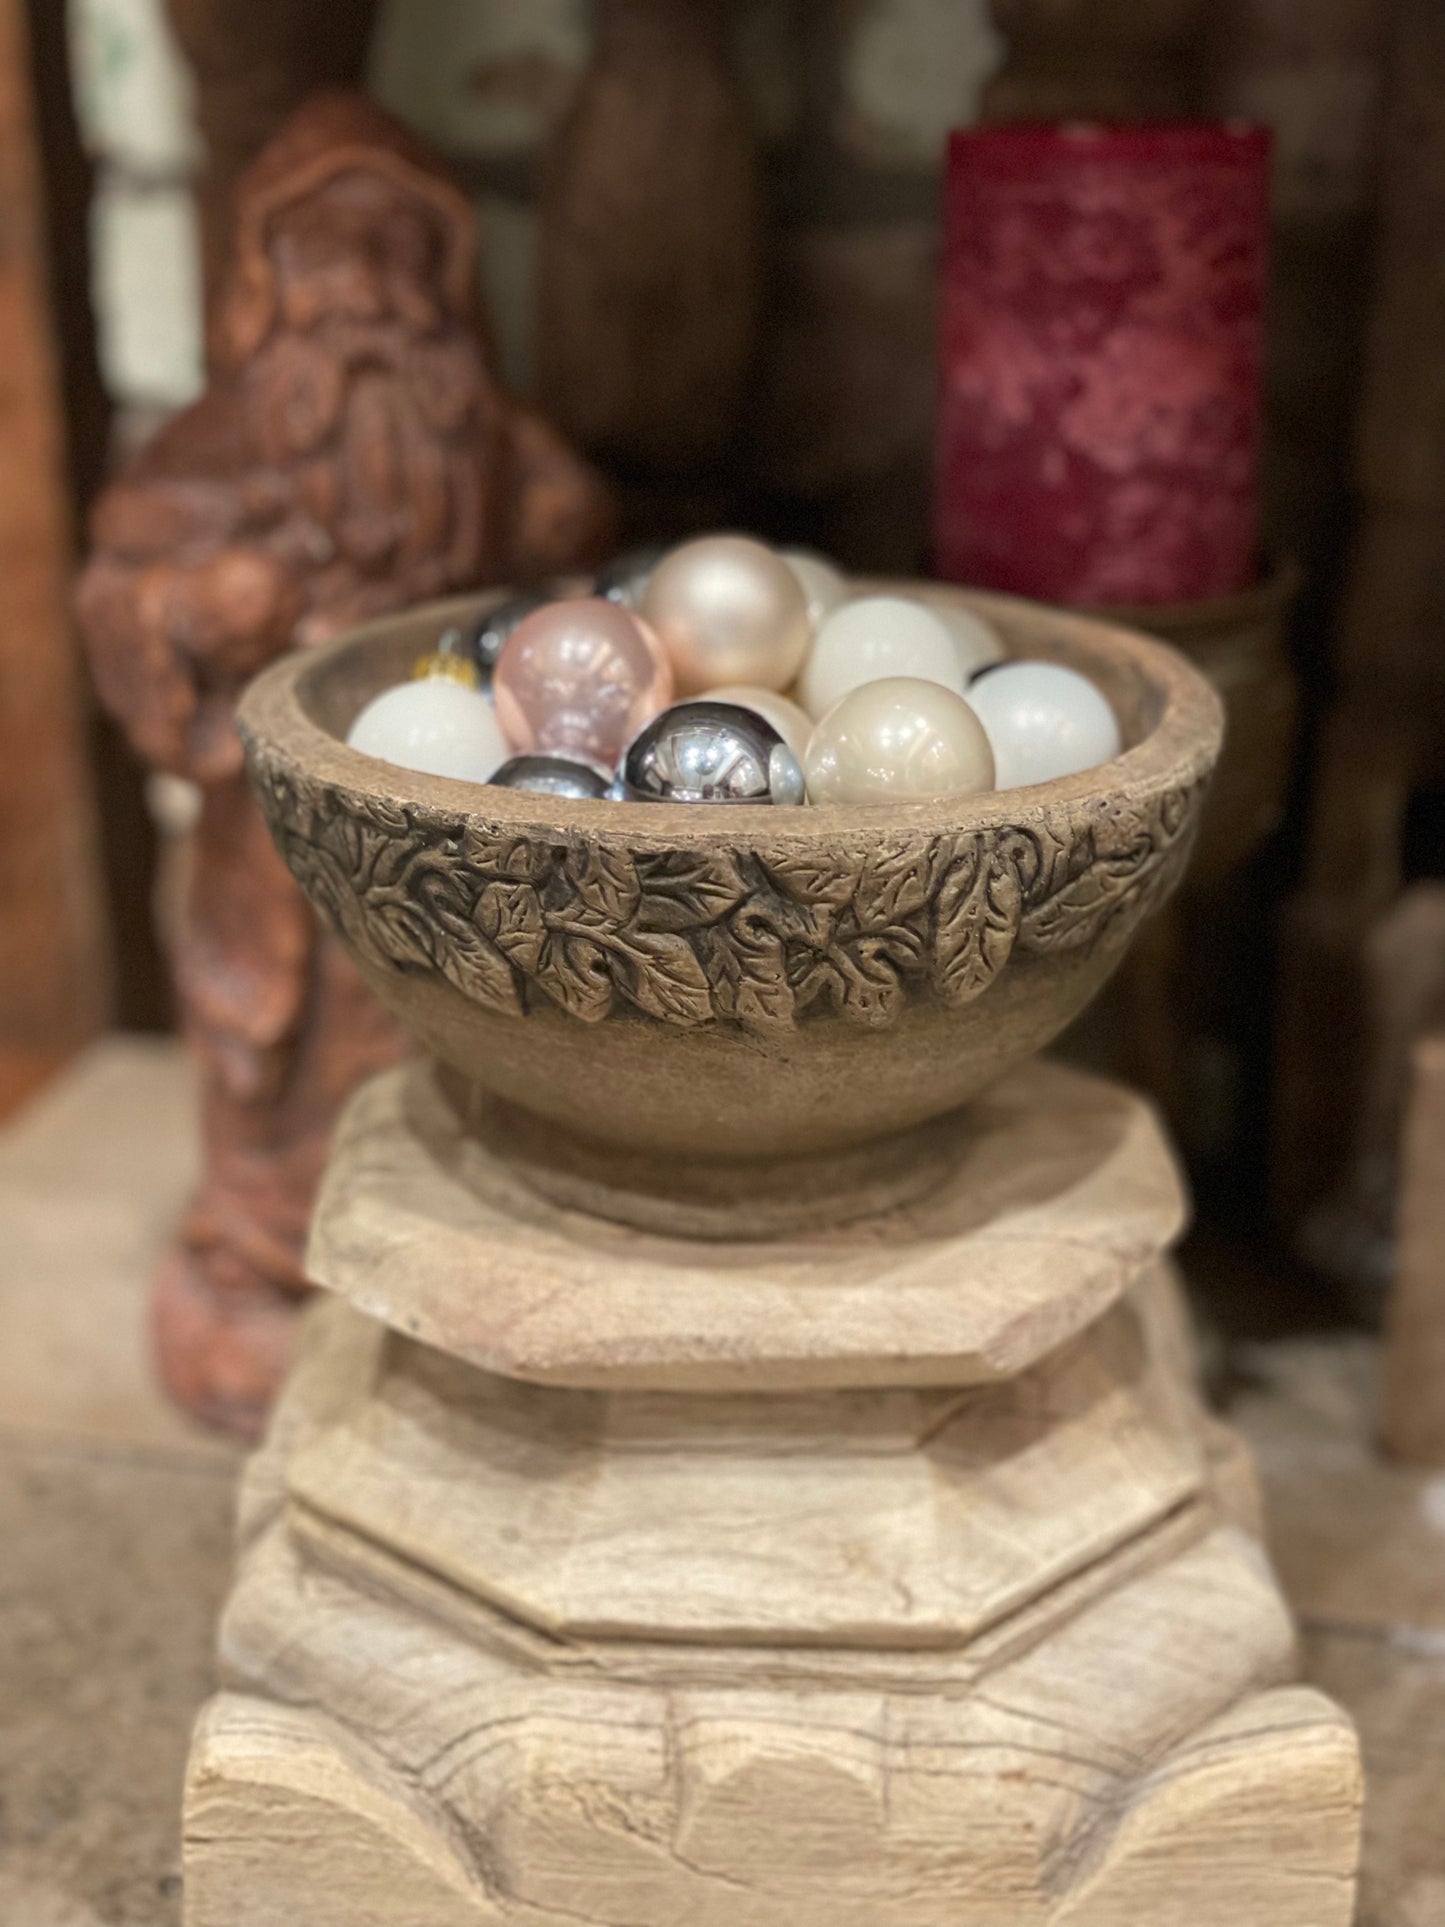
<point x="1102" y="327"/>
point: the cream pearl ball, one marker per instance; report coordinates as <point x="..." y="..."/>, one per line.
<point x="978" y="643"/>
<point x="793" y="724"/>
<point x="823" y="585"/>
<point x="728" y="610"/>
<point x="433" y="725"/>
<point x="1043" y="721"/>
<point x="875" y="636"/>
<point x="896" y="741"/>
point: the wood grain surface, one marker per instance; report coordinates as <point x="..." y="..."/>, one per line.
<point x="54" y="949"/>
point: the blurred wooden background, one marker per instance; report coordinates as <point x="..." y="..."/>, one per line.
<point x="826" y="119"/>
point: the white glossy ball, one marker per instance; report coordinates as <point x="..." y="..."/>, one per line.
<point x="824" y="586"/>
<point x="978" y="643"/>
<point x="874" y="637"/>
<point x="436" y="726"/>
<point x="1043" y="721"/>
<point x="897" y="740"/>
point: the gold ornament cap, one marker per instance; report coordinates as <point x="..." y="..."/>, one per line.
<point x="442" y="665"/>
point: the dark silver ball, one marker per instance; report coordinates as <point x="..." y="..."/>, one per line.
<point x="708" y="752"/>
<point x="481" y="640"/>
<point x="625" y="577"/>
<point x="552" y="776"/>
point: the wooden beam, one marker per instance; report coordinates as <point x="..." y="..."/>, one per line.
<point x="54" y="952"/>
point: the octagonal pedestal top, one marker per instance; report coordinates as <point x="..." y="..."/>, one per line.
<point x="1061" y="1190"/>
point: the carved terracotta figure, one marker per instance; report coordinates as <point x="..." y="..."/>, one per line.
<point x="352" y="454"/>
<point x="252" y="66"/>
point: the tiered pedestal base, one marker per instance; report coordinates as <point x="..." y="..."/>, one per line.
<point x="888" y="1579"/>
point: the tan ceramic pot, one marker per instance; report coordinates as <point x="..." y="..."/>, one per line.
<point x="708" y="1003"/>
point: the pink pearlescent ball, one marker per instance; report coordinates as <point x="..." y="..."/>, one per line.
<point x="580" y="678"/>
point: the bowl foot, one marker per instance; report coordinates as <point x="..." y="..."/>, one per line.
<point x="715" y="1199"/>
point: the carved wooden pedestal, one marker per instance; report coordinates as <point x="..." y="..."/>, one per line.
<point x="891" y="1576"/>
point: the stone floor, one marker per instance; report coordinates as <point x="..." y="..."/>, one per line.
<point x="114" y="1512"/>
<point x="115" y="1517"/>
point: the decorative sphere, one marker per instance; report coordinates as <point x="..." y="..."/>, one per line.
<point x="481" y="641"/>
<point x="434" y="725"/>
<point x="786" y="781"/>
<point x="1043" y="721"/>
<point x="896" y="741"/>
<point x="450" y="667"/>
<point x="978" y="643"/>
<point x="873" y="637"/>
<point x="709" y="752"/>
<point x="580" y="678"/>
<point x="728" y="610"/>
<point x="626" y="576"/>
<point x="552" y="776"/>
<point x="823" y="586"/>
<point x="792" y="723"/>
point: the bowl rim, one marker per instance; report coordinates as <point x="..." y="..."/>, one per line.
<point x="1182" y="747"/>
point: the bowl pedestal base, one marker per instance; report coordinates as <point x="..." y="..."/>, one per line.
<point x="892" y="1576"/>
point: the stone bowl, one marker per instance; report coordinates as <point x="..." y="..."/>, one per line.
<point x="700" y="1018"/>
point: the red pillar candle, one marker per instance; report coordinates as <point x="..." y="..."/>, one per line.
<point x="1102" y="328"/>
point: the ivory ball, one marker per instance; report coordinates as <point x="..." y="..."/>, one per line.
<point x="1043" y="721"/>
<point x="793" y="724"/>
<point x="727" y="610"/>
<point x="897" y="740"/>
<point x="872" y="637"/>
<point x="434" y="725"/>
<point x="823" y="586"/>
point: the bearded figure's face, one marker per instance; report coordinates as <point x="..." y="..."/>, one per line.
<point x="360" y="255"/>
<point x="371" y="399"/>
<point x="362" y="298"/>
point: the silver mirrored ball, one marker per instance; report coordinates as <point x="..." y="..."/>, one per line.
<point x="553" y="776"/>
<point x="481" y="640"/>
<point x="625" y="577"/>
<point x="708" y="752"/>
